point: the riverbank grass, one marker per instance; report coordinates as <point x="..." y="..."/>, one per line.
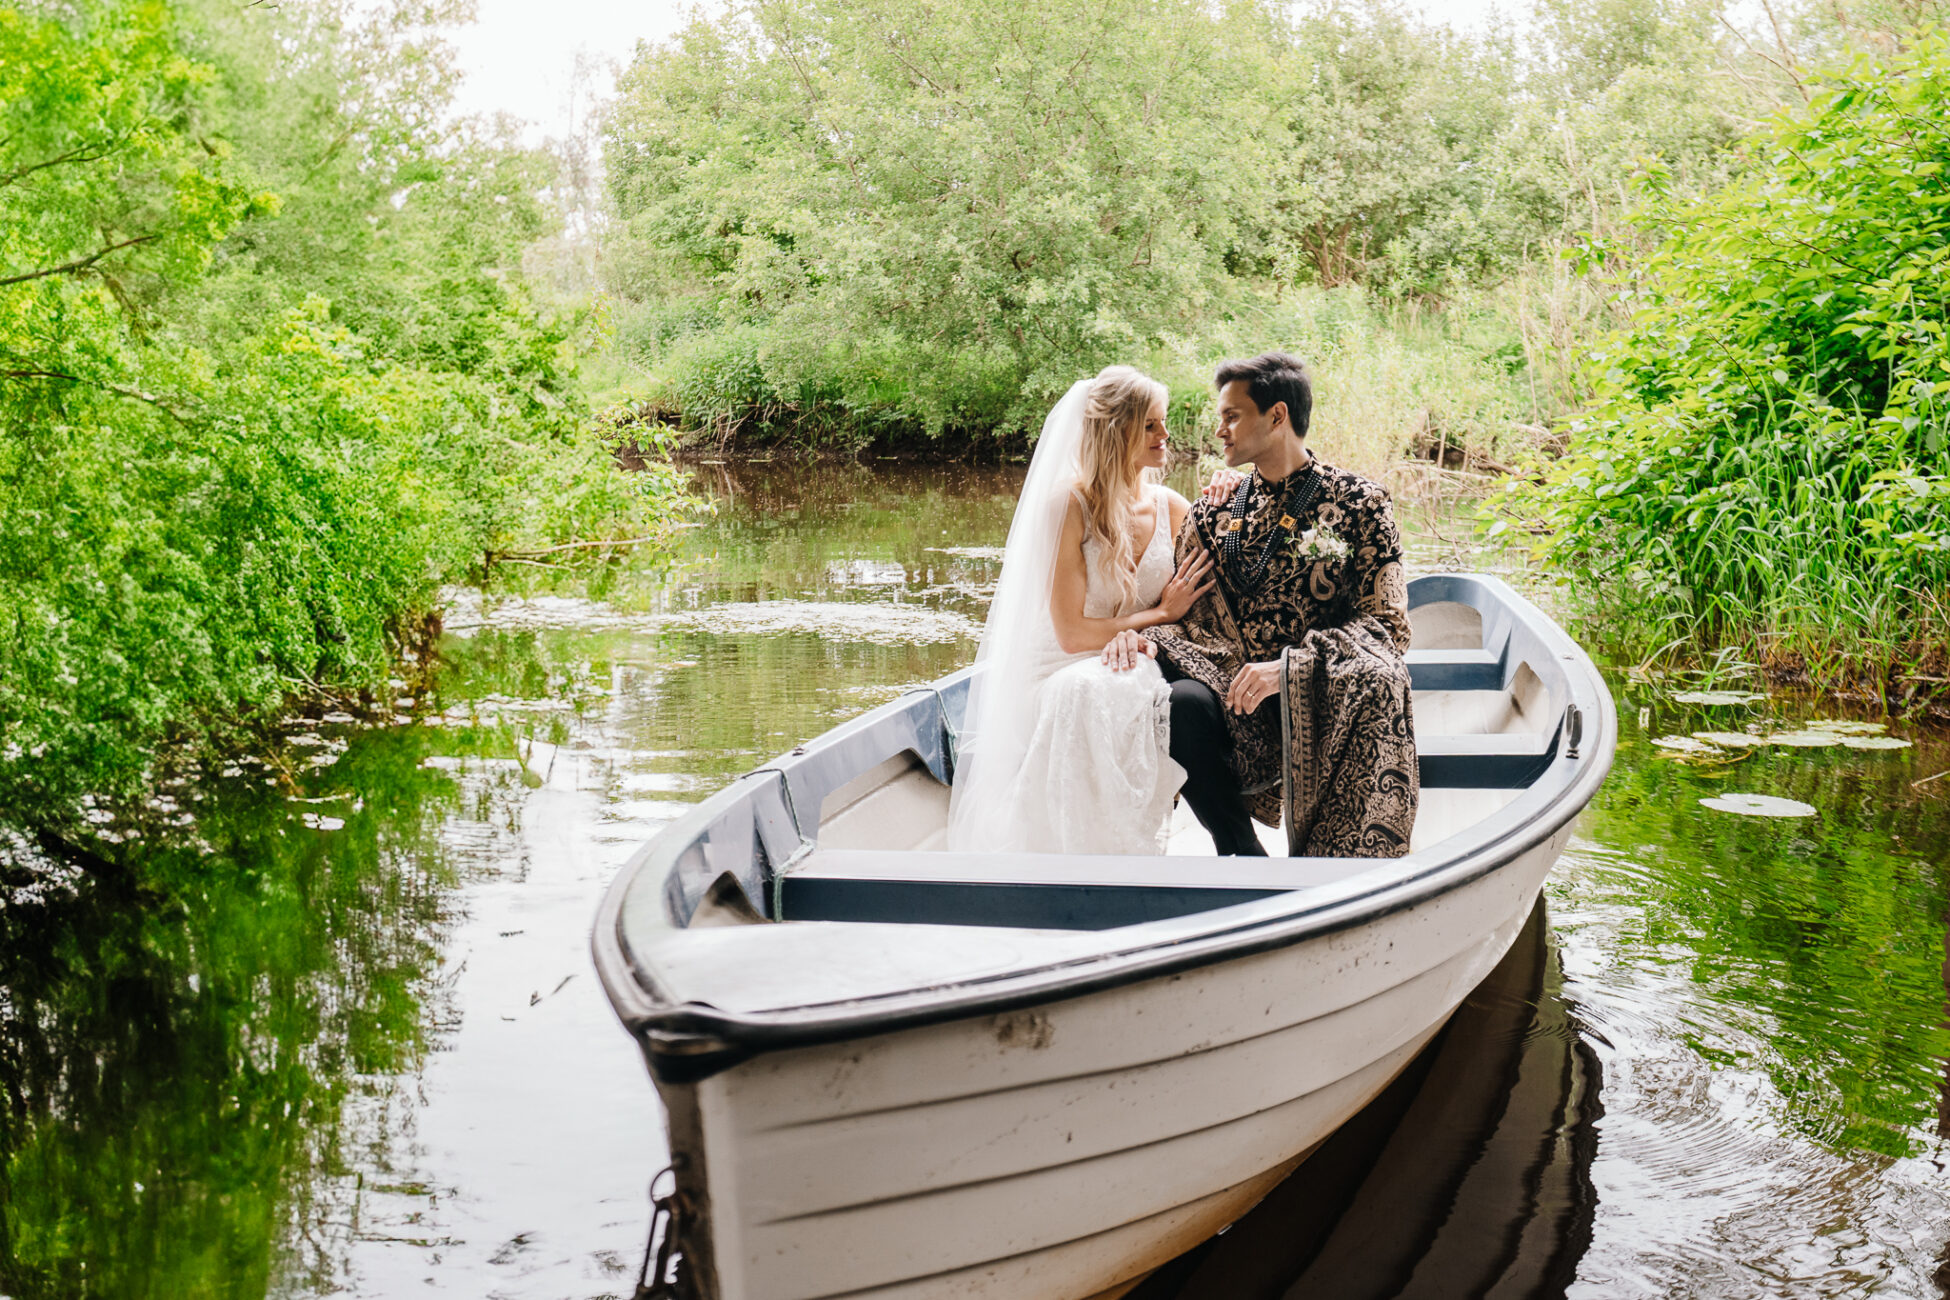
<point x="1765" y="462"/>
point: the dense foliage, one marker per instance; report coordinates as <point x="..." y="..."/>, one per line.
<point x="265" y="381"/>
<point x="1769" y="445"/>
<point x="904" y="208"/>
<point x="838" y="220"/>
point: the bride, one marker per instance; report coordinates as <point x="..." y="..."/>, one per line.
<point x="1061" y="752"/>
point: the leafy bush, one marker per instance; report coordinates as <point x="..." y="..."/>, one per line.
<point x="220" y="488"/>
<point x="940" y="215"/>
<point x="1767" y="447"/>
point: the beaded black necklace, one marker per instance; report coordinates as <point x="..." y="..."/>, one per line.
<point x="1306" y="483"/>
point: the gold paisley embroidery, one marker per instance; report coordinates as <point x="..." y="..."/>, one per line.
<point x="1231" y="627"/>
<point x="1321" y="582"/>
<point x="1388" y="602"/>
<point x="1391" y="587"/>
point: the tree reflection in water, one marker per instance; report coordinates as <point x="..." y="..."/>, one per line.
<point x="179" y="1048"/>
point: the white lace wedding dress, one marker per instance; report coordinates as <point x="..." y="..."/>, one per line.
<point x="1098" y="776"/>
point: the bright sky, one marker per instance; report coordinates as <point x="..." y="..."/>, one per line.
<point x="520" y="56"/>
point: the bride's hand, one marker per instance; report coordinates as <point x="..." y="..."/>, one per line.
<point x="1184" y="589"/>
<point x="1224" y="483"/>
<point x="1126" y="649"/>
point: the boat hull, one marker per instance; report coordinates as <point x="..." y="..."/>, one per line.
<point x="1061" y="1151"/>
<point x="891" y="1070"/>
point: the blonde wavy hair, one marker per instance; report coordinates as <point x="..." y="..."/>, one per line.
<point x="1113" y="417"/>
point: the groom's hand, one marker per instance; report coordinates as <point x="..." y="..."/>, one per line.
<point x="1255" y="684"/>
<point x="1126" y="649"/>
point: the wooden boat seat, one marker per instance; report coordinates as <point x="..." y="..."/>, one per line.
<point x="1497" y="761"/>
<point x="839" y="881"/>
<point x="1037" y="891"/>
<point x="1455" y="670"/>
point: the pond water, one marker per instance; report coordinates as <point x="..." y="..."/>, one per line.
<point x="338" y="1033"/>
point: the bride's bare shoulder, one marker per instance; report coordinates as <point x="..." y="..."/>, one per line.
<point x="1071" y="499"/>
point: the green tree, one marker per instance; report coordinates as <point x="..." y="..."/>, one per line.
<point x="944" y="212"/>
<point x="268" y="375"/>
<point x="1381" y="176"/>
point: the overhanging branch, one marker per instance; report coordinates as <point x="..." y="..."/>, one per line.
<point x="85" y="153"/>
<point x="79" y="265"/>
<point x="62" y="376"/>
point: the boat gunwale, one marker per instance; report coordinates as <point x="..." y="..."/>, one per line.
<point x="689" y="1040"/>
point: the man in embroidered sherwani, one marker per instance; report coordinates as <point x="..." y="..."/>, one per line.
<point x="1290" y="694"/>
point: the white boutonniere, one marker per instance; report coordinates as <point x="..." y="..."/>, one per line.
<point x="1320" y="543"/>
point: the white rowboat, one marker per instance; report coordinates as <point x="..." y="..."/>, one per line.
<point x="892" y="1071"/>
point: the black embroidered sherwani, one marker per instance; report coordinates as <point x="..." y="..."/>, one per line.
<point x="1334" y="758"/>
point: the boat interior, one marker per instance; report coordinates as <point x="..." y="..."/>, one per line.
<point x="850" y="827"/>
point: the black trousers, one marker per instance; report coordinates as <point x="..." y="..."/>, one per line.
<point x="1201" y="745"/>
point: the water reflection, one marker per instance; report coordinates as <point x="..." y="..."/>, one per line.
<point x="1772" y="993"/>
<point x="182" y="1046"/>
<point x="1813" y="949"/>
<point x="1470" y="1175"/>
<point x="339" y="1034"/>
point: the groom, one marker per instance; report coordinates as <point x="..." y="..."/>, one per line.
<point x="1290" y="694"/>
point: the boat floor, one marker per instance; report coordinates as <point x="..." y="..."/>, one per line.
<point x="1441" y="813"/>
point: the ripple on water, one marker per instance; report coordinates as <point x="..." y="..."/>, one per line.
<point x="876" y="623"/>
<point x="873" y="622"/>
<point x="1709" y="1184"/>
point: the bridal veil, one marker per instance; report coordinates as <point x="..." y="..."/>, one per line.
<point x="1019" y="647"/>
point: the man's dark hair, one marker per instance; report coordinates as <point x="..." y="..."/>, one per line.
<point x="1272" y="378"/>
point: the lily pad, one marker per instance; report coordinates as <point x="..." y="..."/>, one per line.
<point x="1758" y="805"/>
<point x="1848" y="727"/>
<point x="1875" y="742"/>
<point x="1804" y="739"/>
<point x="1686" y="745"/>
<point x="1717" y="697"/>
<point x="1730" y="739"/>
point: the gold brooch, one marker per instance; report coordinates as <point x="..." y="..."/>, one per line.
<point x="1234" y="525"/>
<point x="1286" y="522"/>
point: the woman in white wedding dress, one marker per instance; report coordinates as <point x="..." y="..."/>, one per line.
<point x="1060" y="752"/>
